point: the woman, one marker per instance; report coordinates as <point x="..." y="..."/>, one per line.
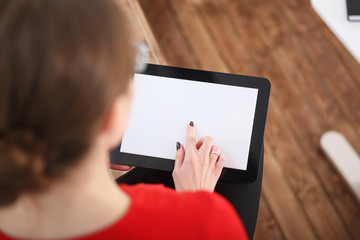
<point x="65" y="94"/>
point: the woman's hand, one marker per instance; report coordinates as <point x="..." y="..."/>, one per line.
<point x="119" y="167"/>
<point x="198" y="168"/>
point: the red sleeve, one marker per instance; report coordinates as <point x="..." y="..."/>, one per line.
<point x="206" y="215"/>
<point x="220" y="217"/>
<point x="232" y="225"/>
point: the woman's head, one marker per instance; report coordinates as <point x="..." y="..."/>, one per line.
<point x="63" y="64"/>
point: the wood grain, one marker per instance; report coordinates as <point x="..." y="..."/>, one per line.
<point x="267" y="226"/>
<point x="167" y="34"/>
<point x="284" y="203"/>
<point x="206" y="55"/>
<point x="297" y="113"/>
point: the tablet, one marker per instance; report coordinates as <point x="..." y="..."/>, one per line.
<point x="230" y="108"/>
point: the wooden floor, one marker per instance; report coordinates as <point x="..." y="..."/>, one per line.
<point x="315" y="88"/>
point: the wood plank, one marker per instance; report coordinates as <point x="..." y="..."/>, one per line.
<point x="267" y="227"/>
<point x="156" y="55"/>
<point x="344" y="202"/>
<point x="167" y="33"/>
<point x="279" y="40"/>
<point x="352" y="66"/>
<point x="272" y="70"/>
<point x="309" y="191"/>
<point x="283" y="201"/>
<point x="196" y="34"/>
<point x="327" y="64"/>
<point x="231" y="47"/>
<point x="140" y="32"/>
<point x="346" y="205"/>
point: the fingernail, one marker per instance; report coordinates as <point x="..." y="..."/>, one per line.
<point x="192" y="123"/>
<point x="177" y="145"/>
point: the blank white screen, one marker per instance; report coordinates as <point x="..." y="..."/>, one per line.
<point x="163" y="107"/>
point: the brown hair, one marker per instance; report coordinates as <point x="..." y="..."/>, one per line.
<point x="62" y="63"/>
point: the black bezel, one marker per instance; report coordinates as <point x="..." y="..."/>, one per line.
<point x="263" y="85"/>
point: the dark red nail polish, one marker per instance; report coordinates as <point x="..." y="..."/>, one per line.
<point x="177" y="145"/>
<point x="192" y="123"/>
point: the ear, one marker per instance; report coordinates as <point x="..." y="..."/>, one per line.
<point x="114" y="122"/>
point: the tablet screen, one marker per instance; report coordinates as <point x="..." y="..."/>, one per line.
<point x="163" y="107"/>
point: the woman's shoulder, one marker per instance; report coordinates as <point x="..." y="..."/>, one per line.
<point x="157" y="197"/>
<point x="202" y="214"/>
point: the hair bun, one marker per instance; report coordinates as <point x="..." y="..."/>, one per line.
<point x="22" y="164"/>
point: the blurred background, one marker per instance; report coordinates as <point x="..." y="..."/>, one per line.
<point x="315" y="88"/>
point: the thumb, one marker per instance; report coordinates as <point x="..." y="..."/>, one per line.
<point x="180" y="153"/>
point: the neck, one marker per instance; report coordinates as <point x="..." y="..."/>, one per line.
<point x="85" y="201"/>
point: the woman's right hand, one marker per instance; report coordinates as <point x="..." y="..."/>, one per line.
<point x="199" y="168"/>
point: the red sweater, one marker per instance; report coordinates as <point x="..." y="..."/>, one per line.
<point x="157" y="212"/>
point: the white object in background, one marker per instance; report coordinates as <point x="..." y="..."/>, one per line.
<point x="344" y="158"/>
<point x="163" y="108"/>
<point x="334" y="14"/>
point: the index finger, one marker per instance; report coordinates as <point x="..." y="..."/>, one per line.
<point x="190" y="136"/>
